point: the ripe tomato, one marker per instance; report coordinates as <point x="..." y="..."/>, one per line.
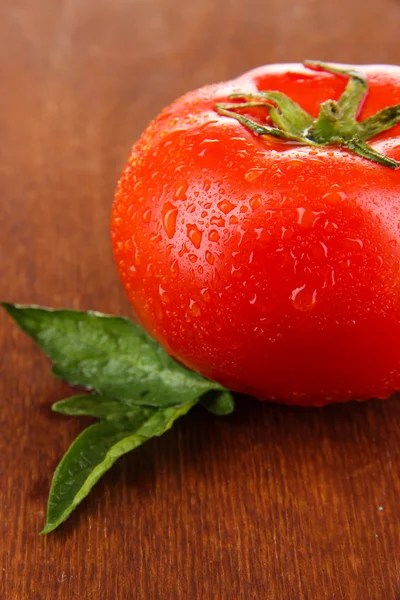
<point x="269" y="265"/>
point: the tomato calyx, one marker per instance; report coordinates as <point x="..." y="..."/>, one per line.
<point x="336" y="124"/>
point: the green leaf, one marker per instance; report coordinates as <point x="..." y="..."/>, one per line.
<point x="138" y="391"/>
<point x="92" y="405"/>
<point x="111" y="355"/>
<point x="97" y="449"/>
<point x="218" y="403"/>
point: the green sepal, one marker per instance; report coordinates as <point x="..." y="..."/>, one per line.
<point x="336" y="124"/>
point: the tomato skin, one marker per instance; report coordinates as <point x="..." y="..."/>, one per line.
<point x="270" y="267"/>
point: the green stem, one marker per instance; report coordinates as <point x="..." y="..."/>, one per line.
<point x="336" y="124"/>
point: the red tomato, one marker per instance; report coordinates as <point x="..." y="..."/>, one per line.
<point x="267" y="265"/>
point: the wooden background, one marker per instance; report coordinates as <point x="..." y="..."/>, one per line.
<point x="272" y="503"/>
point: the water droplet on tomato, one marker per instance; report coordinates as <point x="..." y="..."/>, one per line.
<point x="213" y="235"/>
<point x="180" y="190"/>
<point x="164" y="297"/>
<point x="253" y="299"/>
<point x="193" y="258"/>
<point x="303" y="298"/>
<point x="174" y="269"/>
<point x="194" y="309"/>
<point x="253" y="174"/>
<point x="286" y="233"/>
<point x="335" y="194"/>
<point x="351" y="244"/>
<point x="297" y="162"/>
<point x="330" y="227"/>
<point x="169" y="216"/>
<point x="150" y="269"/>
<point x="210" y="257"/>
<point x="205" y="294"/>
<point x="255" y="201"/>
<point x="138" y="187"/>
<point x="191" y="208"/>
<point x="183" y="251"/>
<point x="226" y="206"/>
<point x="218" y="221"/>
<point x="194" y="234"/>
<point x="146" y="216"/>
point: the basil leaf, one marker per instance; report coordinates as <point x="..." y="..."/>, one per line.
<point x="218" y="403"/>
<point x="92" y="405"/>
<point x="111" y="355"/>
<point x="97" y="449"/>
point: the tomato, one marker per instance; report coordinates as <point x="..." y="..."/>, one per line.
<point x="270" y="264"/>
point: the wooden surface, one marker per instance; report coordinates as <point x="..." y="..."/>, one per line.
<point x="272" y="503"/>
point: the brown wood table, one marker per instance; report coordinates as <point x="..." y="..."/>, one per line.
<point x="271" y="503"/>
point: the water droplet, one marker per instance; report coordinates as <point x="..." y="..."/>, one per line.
<point x="297" y="162"/>
<point x="233" y="220"/>
<point x="253" y="299"/>
<point x="193" y="258"/>
<point x="146" y="216"/>
<point x="150" y="269"/>
<point x="286" y="233"/>
<point x="165" y="299"/>
<point x="218" y="221"/>
<point x="225" y="206"/>
<point x="253" y="174"/>
<point x="169" y="216"/>
<point x="194" y="234"/>
<point x="194" y="309"/>
<point x="330" y="226"/>
<point x="351" y="244"/>
<point x="210" y="257"/>
<point x="255" y="201"/>
<point x="244" y="209"/>
<point x="180" y="190"/>
<point x="306" y="218"/>
<point x="393" y="243"/>
<point x="334" y="194"/>
<point x="183" y="251"/>
<point x="205" y="294"/>
<point x="138" y="187"/>
<point x="210" y="141"/>
<point x="174" y="268"/>
<point x="303" y="298"/>
<point x="320" y="251"/>
<point x="213" y="235"/>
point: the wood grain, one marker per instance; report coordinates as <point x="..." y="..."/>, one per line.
<point x="272" y="503"/>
